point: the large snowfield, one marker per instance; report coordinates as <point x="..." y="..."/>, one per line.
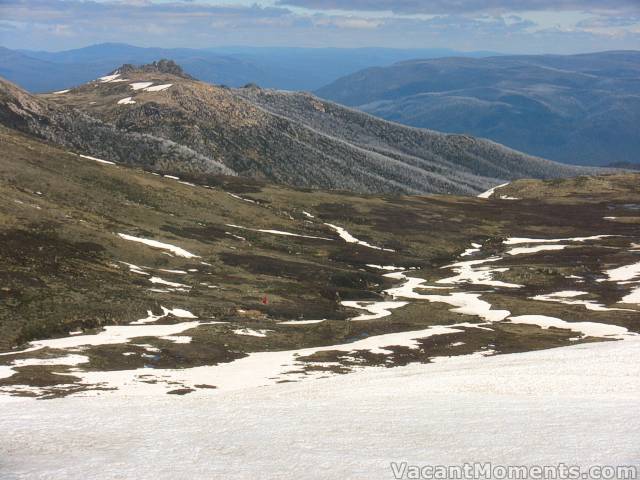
<point x="576" y="405"/>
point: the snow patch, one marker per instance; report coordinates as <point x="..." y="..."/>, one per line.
<point x="520" y="240"/>
<point x="113" y="334"/>
<point x="589" y="329"/>
<point x="140" y="85"/>
<point x="99" y="160"/>
<point x="624" y="273"/>
<point x="376" y="309"/>
<point x="491" y="191"/>
<point x="160" y="281"/>
<point x="251" y="332"/>
<point x="390" y="268"/>
<point x="109" y="78"/>
<point x="347" y="237"/>
<point x="470" y="304"/>
<point x="176" y="272"/>
<point x="468" y="273"/>
<point x="633" y="297"/>
<point x="564" y="296"/>
<point x="539" y="248"/>
<point x="277" y="232"/>
<point x="135" y="269"/>
<point x="158" y="88"/>
<point x="238" y="197"/>
<point x="301" y="322"/>
<point x="156" y="244"/>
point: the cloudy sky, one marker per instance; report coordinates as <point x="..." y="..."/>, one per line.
<point x="525" y="26"/>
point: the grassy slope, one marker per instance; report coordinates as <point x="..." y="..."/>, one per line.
<point x="60" y="215"/>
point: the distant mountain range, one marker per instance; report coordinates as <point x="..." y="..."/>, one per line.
<point x="160" y="118"/>
<point x="580" y="109"/>
<point x="283" y="68"/>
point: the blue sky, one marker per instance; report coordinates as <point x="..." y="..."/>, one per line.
<point x="510" y="26"/>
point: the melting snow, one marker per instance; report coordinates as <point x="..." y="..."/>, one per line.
<point x="177" y="272"/>
<point x="68" y="360"/>
<point x="539" y="248"/>
<point x="238" y="237"/>
<point x="140" y="85"/>
<point x="241" y="198"/>
<point x="347" y="237"/>
<point x="135" y="269"/>
<point x="384" y="267"/>
<point x="519" y="240"/>
<point x="562" y="297"/>
<point x="178" y="312"/>
<point x="60" y="91"/>
<point x="150" y="318"/>
<point x="156" y="244"/>
<point x="633" y="297"/>
<point x="112" y="334"/>
<point x="277" y="232"/>
<point x="158" y="88"/>
<point x="376" y="309"/>
<point x="126" y="101"/>
<point x="465" y="303"/>
<point x="160" y="281"/>
<point x="470" y="304"/>
<point x="470" y="251"/>
<point x="177" y="339"/>
<point x="407" y="289"/>
<point x="491" y="191"/>
<point x="624" y="273"/>
<point x="251" y="332"/>
<point x="589" y="329"/>
<point x="477" y="276"/>
<point x="301" y="322"/>
<point x="106" y="162"/>
<point x="254" y="370"/>
<point x="109" y="78"/>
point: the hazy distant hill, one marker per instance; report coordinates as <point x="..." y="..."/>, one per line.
<point x="581" y="109"/>
<point x="295" y="138"/>
<point x="285" y="68"/>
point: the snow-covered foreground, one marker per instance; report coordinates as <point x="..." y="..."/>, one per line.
<point x="574" y="405"/>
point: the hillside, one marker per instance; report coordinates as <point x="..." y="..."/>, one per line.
<point x="578" y="109"/>
<point x="119" y="281"/>
<point x="76" y="130"/>
<point x="297" y="139"/>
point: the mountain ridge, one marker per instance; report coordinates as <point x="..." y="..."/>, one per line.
<point x="580" y="109"/>
<point x="298" y="139"/>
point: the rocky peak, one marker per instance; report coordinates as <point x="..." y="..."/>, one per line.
<point x="160" y="66"/>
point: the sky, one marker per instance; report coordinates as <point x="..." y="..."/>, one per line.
<point x="508" y="26"/>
